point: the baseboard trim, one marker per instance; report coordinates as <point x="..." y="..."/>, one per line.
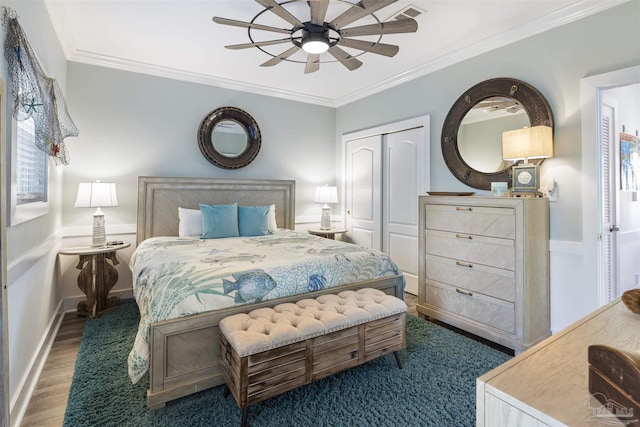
<point x="19" y="405"/>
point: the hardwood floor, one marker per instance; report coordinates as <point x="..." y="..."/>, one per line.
<point x="49" y="400"/>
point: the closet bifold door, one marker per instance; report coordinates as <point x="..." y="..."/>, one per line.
<point x="383" y="177"/>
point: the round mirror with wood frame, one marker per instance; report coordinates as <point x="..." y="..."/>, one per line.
<point x="229" y="138"/>
<point x="522" y="94"/>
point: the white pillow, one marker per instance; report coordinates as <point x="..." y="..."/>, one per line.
<point x="273" y="225"/>
<point x="190" y="222"/>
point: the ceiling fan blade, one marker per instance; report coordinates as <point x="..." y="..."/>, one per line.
<point x="363" y="8"/>
<point x="234" y="23"/>
<point x="257" y="44"/>
<point x="278" y="59"/>
<point x="275" y="7"/>
<point x="344" y="58"/>
<point x="318" y="11"/>
<point x="379" y="48"/>
<point x="392" y="27"/>
<point x="313" y="63"/>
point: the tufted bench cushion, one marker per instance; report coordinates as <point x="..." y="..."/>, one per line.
<point x="267" y="328"/>
<point x="270" y="351"/>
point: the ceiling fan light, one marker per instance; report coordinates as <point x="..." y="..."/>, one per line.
<point x="315" y="43"/>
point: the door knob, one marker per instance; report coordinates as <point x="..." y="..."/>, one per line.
<point x="348" y="212"/>
<point x="613" y="228"/>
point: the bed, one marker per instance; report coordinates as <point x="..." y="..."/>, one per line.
<point x="183" y="352"/>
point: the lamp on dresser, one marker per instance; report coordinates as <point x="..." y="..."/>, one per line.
<point x="97" y="195"/>
<point x="523" y="144"/>
<point x="326" y="194"/>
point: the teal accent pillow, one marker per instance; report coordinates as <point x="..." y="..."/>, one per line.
<point x="253" y="220"/>
<point x="219" y="221"/>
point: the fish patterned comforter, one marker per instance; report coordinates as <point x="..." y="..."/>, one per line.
<point x="176" y="277"/>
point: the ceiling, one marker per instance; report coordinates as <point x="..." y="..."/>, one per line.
<point x="178" y="39"/>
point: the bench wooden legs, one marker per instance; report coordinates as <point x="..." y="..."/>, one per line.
<point x="245" y="411"/>
<point x="245" y="414"/>
<point x="398" y="361"/>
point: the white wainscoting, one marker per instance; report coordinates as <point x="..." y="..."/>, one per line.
<point x="572" y="293"/>
<point x="33" y="313"/>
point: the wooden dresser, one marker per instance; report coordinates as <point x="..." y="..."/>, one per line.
<point x="484" y="266"/>
<point x="549" y="384"/>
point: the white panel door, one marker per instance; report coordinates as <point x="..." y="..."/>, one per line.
<point x="363" y="191"/>
<point x="401" y="177"/>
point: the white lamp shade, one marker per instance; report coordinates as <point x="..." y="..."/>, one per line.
<point x="528" y="143"/>
<point x="96" y="195"/>
<point x="326" y="194"/>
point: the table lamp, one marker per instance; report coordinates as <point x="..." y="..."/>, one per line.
<point x="326" y="194"/>
<point x="97" y="195"/>
<point x="523" y="144"/>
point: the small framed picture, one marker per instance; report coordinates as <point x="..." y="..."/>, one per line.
<point x="499" y="189"/>
<point x="525" y="179"/>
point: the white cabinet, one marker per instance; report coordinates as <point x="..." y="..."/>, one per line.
<point x="484" y="266"/>
<point x="549" y="384"/>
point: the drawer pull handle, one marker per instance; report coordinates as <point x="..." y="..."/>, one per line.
<point x="469" y="294"/>
<point x="462" y="264"/>
<point x="458" y="208"/>
<point x="463" y="236"/>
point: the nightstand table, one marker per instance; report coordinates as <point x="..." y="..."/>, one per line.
<point x="97" y="277"/>
<point x="329" y="233"/>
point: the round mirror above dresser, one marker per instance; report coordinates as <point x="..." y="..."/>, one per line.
<point x="472" y="130"/>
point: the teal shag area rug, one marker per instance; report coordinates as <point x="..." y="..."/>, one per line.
<point x="436" y="386"/>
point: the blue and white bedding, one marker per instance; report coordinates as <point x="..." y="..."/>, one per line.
<point x="176" y="276"/>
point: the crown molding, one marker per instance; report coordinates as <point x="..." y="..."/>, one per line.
<point x="561" y="17"/>
<point x="58" y="16"/>
<point x="557" y="19"/>
<point x="192" y="77"/>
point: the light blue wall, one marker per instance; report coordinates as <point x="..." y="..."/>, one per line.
<point x="553" y="62"/>
<point x="137" y="125"/>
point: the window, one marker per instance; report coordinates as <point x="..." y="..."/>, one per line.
<point x="31" y="166"/>
<point x="29" y="174"/>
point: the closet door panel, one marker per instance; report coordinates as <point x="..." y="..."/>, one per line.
<point x="363" y="192"/>
<point x="401" y="165"/>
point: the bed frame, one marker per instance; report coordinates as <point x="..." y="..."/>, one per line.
<point x="184" y="352"/>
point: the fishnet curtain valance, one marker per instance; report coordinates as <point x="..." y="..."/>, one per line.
<point x="35" y="94"/>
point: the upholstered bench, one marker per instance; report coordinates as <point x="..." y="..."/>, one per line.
<point x="273" y="350"/>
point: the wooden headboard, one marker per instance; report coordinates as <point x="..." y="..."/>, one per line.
<point x="160" y="197"/>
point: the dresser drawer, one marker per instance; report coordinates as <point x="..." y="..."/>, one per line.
<point x="494" y="222"/>
<point x="490" y="251"/>
<point x="495" y="282"/>
<point x="486" y="310"/>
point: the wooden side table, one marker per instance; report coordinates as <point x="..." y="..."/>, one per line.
<point x="329" y="233"/>
<point x="97" y="277"/>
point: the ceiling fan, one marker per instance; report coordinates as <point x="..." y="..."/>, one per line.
<point x="316" y="36"/>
